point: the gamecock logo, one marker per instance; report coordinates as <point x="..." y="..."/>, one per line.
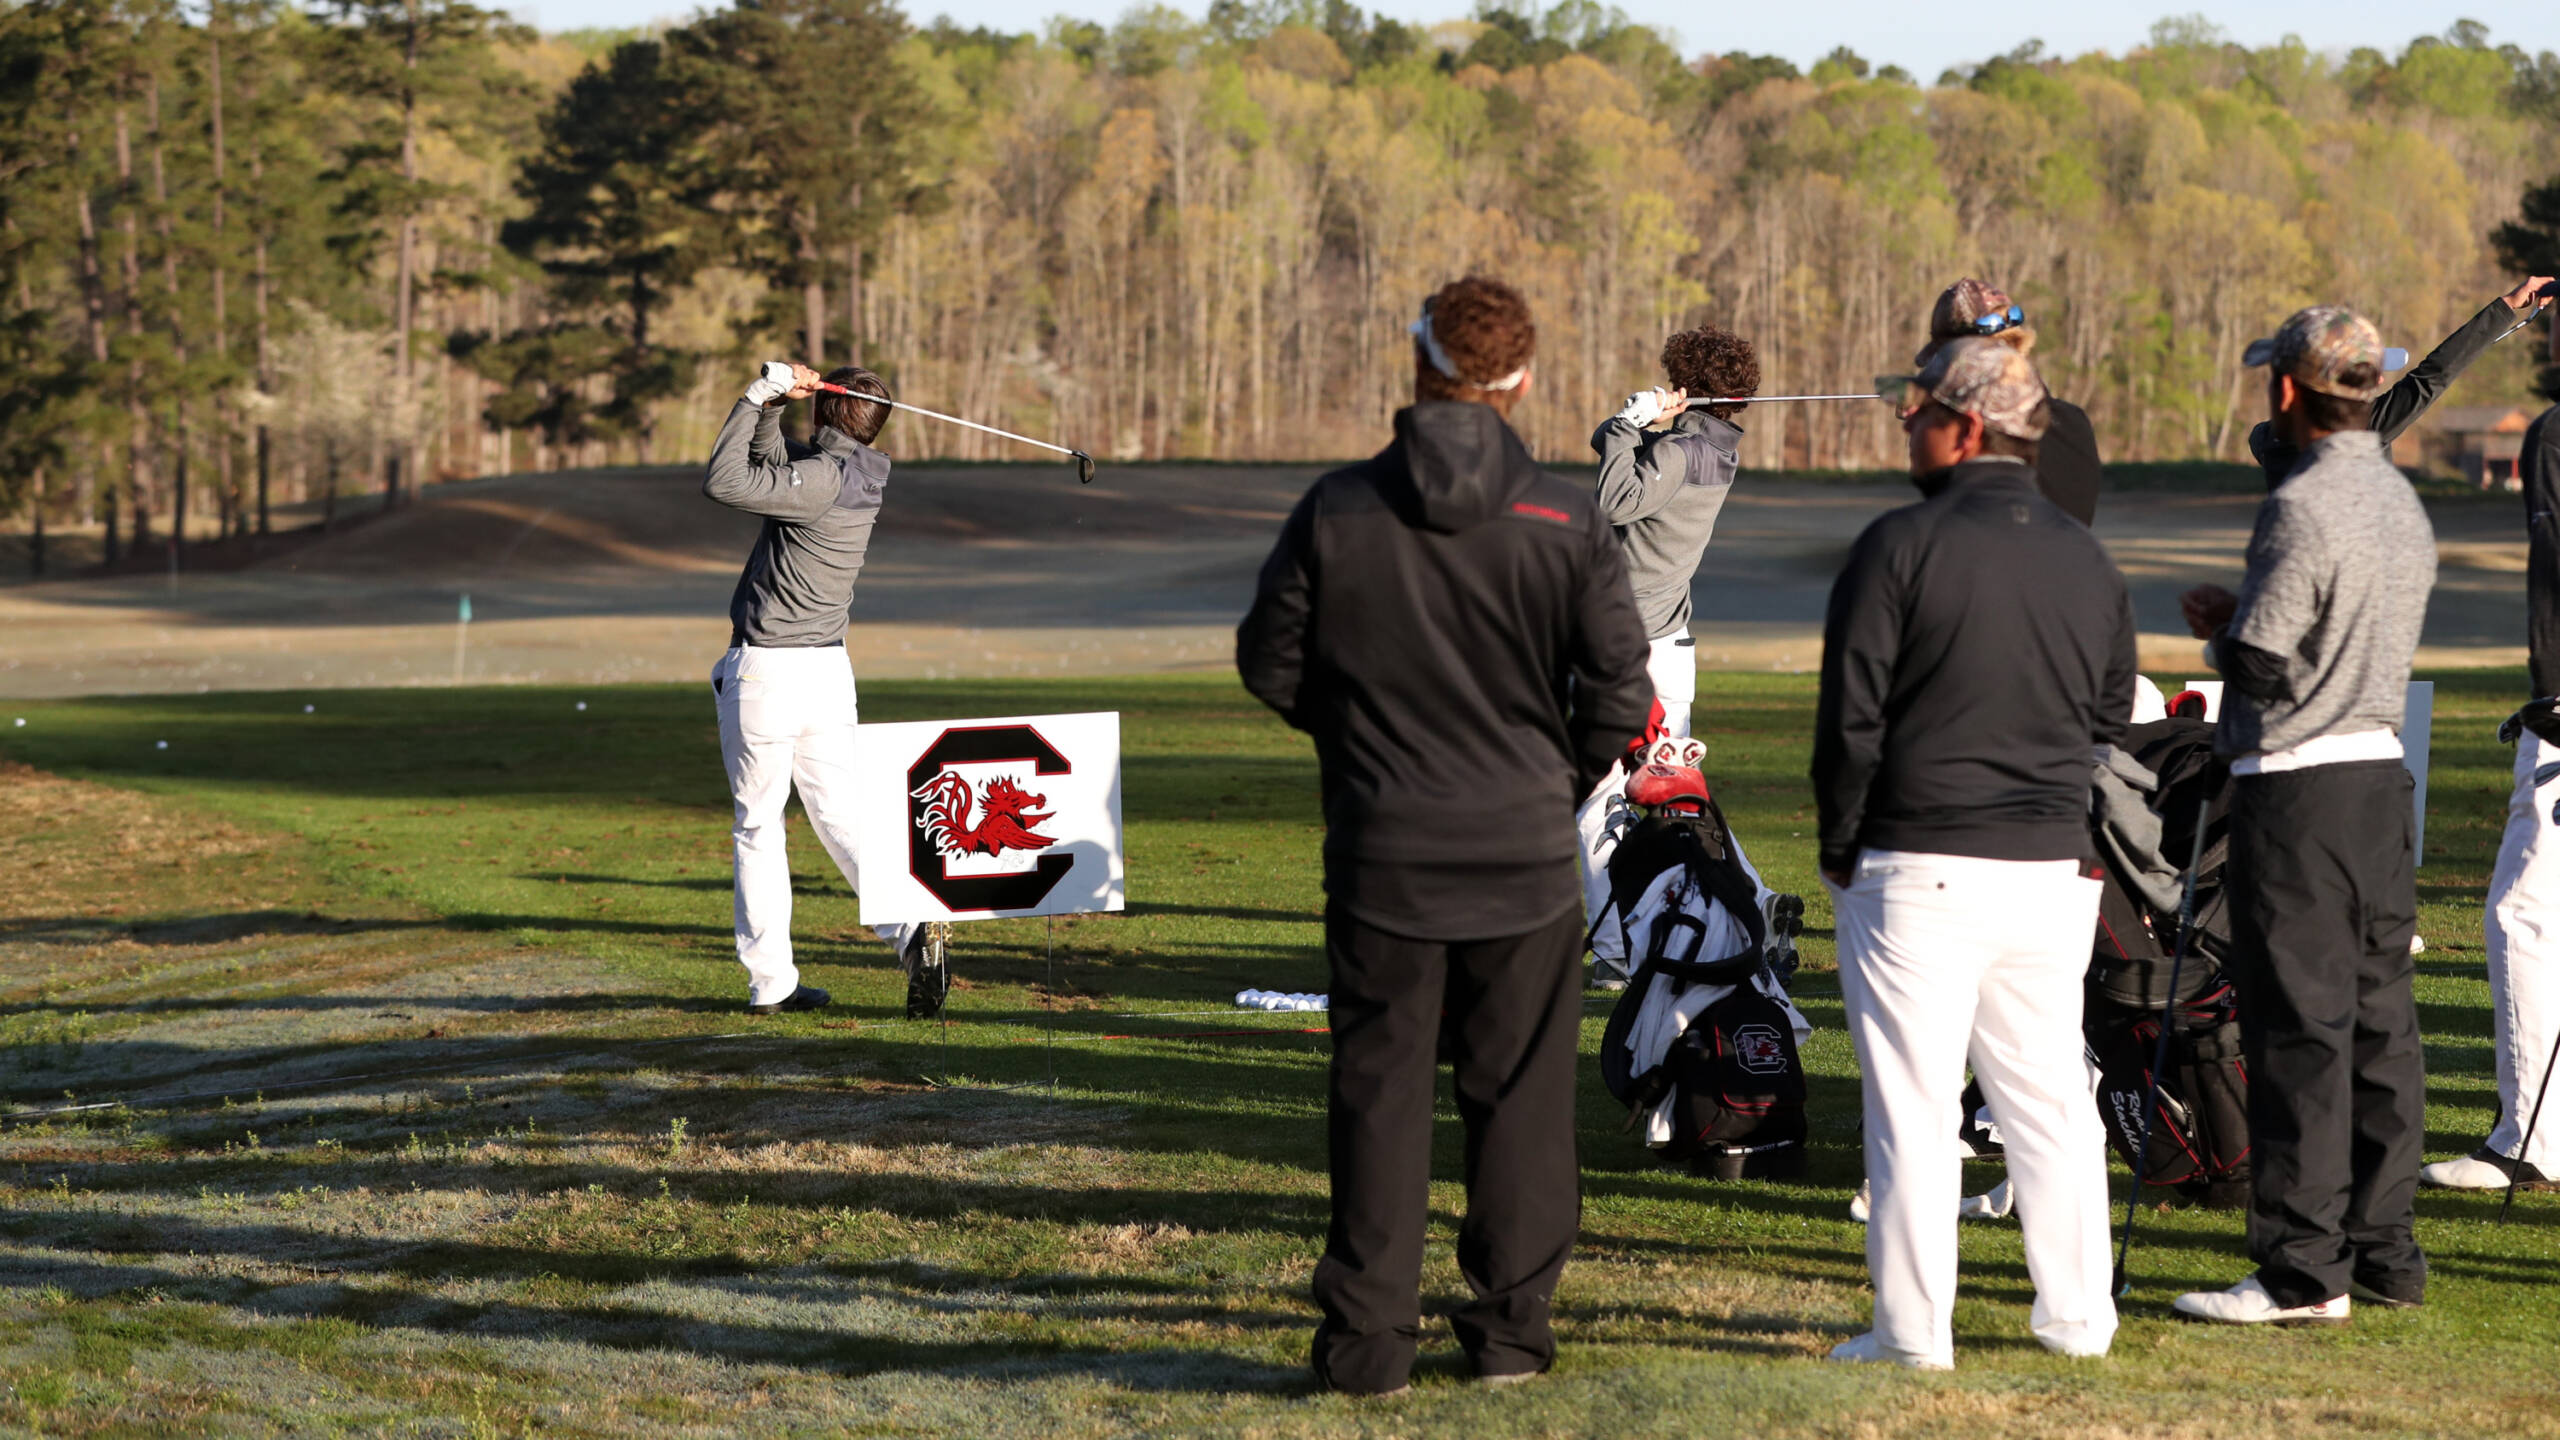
<point x="1757" y="1049"/>
<point x="948" y="803"/>
<point x="951" y="820"/>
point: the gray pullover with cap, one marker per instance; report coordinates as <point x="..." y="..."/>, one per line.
<point x="1662" y="490"/>
<point x="2340" y="566"/>
<point x="819" y="504"/>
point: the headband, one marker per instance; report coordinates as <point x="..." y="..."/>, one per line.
<point x="1441" y="362"/>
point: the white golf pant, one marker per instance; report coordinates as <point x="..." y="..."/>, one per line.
<point x="2522" y="927"/>
<point x="1945" y="958"/>
<point x="1673" y="666"/>
<point x="787" y="720"/>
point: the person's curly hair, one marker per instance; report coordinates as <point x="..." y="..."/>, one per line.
<point x="1709" y="361"/>
<point x="860" y="419"/>
<point x="1483" y="326"/>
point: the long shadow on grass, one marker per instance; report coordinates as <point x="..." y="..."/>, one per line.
<point x="1144" y="1367"/>
<point x="1226" y="912"/>
<point x="174" y="1005"/>
<point x="800" y="885"/>
<point x="195" y="929"/>
<point x="650" y="745"/>
<point x="363" y="1061"/>
<point x="1154" y="1102"/>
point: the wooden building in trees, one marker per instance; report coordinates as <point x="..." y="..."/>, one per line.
<point x="2481" y="443"/>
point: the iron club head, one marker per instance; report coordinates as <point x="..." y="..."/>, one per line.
<point x="1084" y="467"/>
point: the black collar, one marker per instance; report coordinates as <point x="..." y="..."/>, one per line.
<point x="1984" y="473"/>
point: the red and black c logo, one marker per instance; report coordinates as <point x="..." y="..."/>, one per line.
<point x="925" y="858"/>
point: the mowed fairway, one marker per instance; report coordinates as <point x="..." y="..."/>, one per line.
<point x="433" y="1111"/>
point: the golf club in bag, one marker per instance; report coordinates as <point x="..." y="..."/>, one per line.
<point x="2160" y="1050"/>
<point x="1084" y="462"/>
<point x="2524" y="1147"/>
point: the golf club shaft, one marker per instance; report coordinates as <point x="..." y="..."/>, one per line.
<point x="2530" y="316"/>
<point x="1774" y="399"/>
<point x="2524" y="1146"/>
<point x="947" y="419"/>
<point x="2160" y="1046"/>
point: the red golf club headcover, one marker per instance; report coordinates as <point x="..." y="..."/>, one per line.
<point x="1679" y="787"/>
<point x="1656" y="725"/>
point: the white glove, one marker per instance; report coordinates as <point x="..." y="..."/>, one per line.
<point x="1644" y="407"/>
<point x="771" y="384"/>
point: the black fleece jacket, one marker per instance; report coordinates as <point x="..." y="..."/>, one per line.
<point x="1977" y="645"/>
<point x="2068" y="470"/>
<point x="2399" y="407"/>
<point x="1454" y="627"/>
<point x="2539" y="468"/>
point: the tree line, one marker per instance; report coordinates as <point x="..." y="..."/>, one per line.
<point x="256" y="253"/>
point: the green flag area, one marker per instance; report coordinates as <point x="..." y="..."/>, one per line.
<point x="422" y="1102"/>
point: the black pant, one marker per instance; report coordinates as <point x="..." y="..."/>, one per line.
<point x="2324" y="900"/>
<point x="1513" y="1020"/>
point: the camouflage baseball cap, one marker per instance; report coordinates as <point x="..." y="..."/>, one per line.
<point x="1969" y="307"/>
<point x="1980" y="377"/>
<point x="2320" y="347"/>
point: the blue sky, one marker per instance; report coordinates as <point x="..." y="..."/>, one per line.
<point x="1921" y="38"/>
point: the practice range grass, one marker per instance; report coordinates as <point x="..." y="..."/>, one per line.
<point x="623" y="1208"/>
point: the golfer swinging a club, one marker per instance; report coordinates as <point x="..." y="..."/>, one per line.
<point x="785" y="689"/>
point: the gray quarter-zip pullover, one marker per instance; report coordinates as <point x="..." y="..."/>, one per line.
<point x="1662" y="490"/>
<point x="2340" y="566"/>
<point x="819" y="504"/>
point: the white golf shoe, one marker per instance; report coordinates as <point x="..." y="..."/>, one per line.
<point x="2482" y="1169"/>
<point x="2248" y="1303"/>
<point x="1862" y="1204"/>
<point x="1868" y="1350"/>
<point x="1995" y="1203"/>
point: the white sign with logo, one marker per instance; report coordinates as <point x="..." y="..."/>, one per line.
<point x="989" y="819"/>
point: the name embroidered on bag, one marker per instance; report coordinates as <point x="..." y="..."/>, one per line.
<point x="1541" y="512"/>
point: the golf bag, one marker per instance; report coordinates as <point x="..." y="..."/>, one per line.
<point x="2148" y="798"/>
<point x="1702" y="1046"/>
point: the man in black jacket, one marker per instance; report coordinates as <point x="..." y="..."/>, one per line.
<point x="1454" y="628"/>
<point x="2399" y="407"/>
<point x="1977" y="645"/>
<point x="2067" y="467"/>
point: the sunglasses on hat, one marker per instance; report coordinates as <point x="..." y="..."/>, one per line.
<point x="1999" y="320"/>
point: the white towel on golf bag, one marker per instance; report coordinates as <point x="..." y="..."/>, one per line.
<point x="1618" y="936"/>
<point x="1663" y="1016"/>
